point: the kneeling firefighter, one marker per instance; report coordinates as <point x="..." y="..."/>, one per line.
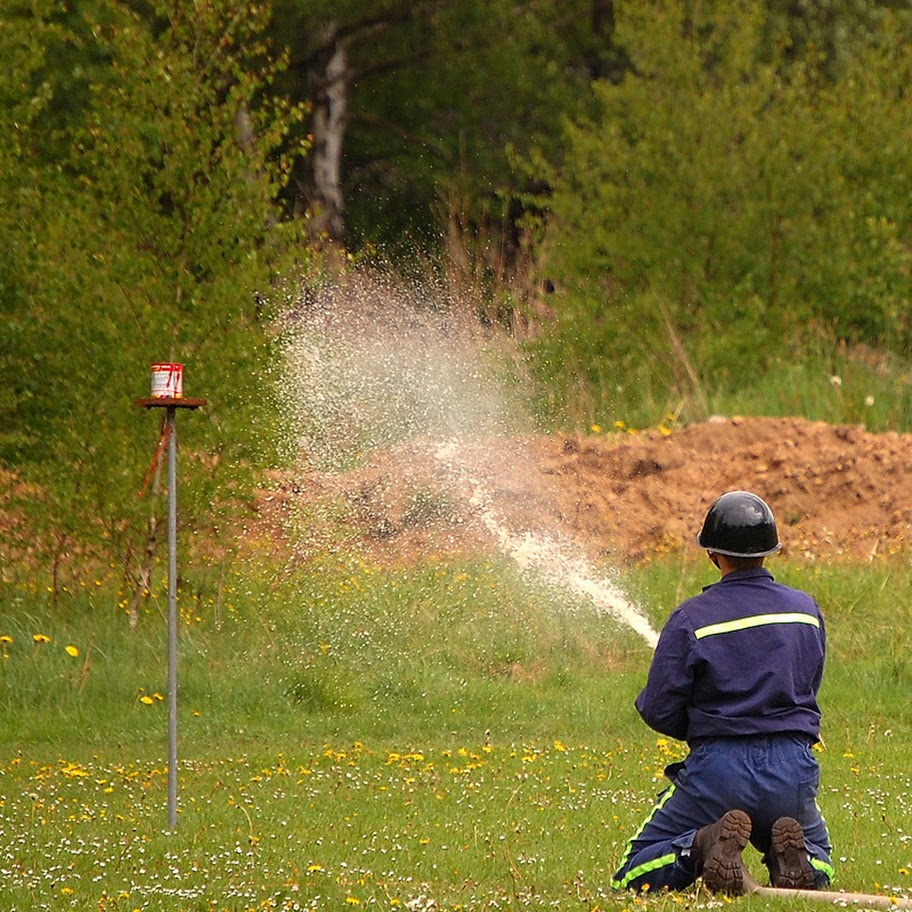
<point x="735" y="674"/>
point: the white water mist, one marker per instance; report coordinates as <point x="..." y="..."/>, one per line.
<point x="373" y="363"/>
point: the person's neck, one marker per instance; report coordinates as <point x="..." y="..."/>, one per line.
<point x="727" y="565"/>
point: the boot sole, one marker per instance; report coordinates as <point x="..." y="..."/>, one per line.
<point x="788" y="847"/>
<point x="724" y="871"/>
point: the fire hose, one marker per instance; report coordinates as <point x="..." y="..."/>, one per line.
<point x="833" y="897"/>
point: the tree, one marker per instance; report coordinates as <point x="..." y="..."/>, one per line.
<point x="416" y="106"/>
<point x="725" y="206"/>
<point x="156" y="230"/>
<point x="23" y="97"/>
<point x="835" y="31"/>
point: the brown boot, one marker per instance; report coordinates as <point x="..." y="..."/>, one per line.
<point x="788" y="860"/>
<point x="717" y="852"/>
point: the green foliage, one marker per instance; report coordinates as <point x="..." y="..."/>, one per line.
<point x="834" y="29"/>
<point x="146" y="240"/>
<point x="22" y="98"/>
<point x="728" y="226"/>
<point x="440" y="91"/>
<point x="726" y="208"/>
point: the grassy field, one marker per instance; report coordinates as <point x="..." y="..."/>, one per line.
<point x="448" y="737"/>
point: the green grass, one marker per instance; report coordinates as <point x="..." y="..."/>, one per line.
<point x="343" y="649"/>
<point x="838" y="385"/>
<point x="841" y="387"/>
<point x="444" y="737"/>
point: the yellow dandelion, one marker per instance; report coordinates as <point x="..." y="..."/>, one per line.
<point x="145" y="698"/>
<point x="41" y="638"/>
<point x="72" y="651"/>
<point x="6" y="638"/>
<point x="596" y="429"/>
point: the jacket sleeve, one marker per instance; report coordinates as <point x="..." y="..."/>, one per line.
<point x="818" y="677"/>
<point x="664" y="701"/>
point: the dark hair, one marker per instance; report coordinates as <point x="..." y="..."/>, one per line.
<point x="744" y="563"/>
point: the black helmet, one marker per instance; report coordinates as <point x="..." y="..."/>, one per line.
<point x="739" y="524"/>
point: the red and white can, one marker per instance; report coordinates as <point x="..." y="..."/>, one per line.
<point x="167" y="380"/>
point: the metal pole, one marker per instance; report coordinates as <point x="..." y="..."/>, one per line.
<point x="172" y="619"/>
<point x="172" y="404"/>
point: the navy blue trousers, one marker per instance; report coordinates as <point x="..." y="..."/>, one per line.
<point x="768" y="776"/>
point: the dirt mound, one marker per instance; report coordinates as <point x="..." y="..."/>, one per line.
<point x="837" y="491"/>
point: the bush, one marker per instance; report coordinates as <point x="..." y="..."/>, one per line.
<point x="726" y="207"/>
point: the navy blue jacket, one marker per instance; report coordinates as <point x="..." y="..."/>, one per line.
<point x="744" y="657"/>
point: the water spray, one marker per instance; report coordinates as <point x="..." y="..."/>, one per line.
<point x="549" y="559"/>
<point x="373" y="364"/>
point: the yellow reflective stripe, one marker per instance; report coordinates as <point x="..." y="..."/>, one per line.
<point x="644" y="868"/>
<point x="656" y="863"/>
<point x="827" y="869"/>
<point x="758" y="620"/>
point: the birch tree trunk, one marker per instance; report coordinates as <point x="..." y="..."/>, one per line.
<point x="331" y="84"/>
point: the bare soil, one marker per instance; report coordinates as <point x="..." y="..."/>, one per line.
<point x="838" y="492"/>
